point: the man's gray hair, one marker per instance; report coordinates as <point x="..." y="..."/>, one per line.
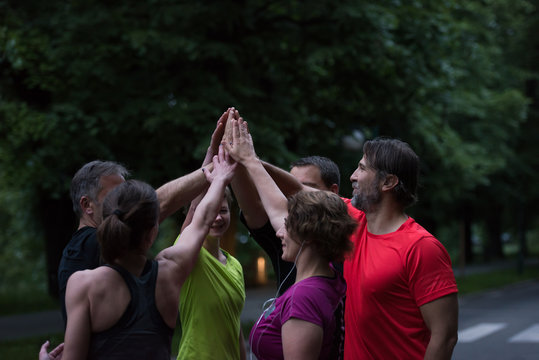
<point x="86" y="181"/>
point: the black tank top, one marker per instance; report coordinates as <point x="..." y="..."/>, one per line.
<point x="141" y="332"/>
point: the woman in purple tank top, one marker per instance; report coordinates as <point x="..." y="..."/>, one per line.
<point x="314" y="228"/>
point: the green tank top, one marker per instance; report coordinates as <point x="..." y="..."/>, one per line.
<point x="211" y="302"/>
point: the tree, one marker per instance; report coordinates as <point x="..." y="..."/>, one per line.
<point x="143" y="83"/>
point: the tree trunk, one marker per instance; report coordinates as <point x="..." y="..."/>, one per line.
<point x="466" y="219"/>
<point x="523" y="248"/>
<point x="493" y="248"/>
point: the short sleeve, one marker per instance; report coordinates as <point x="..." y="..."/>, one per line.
<point x="430" y="274"/>
<point x="308" y="304"/>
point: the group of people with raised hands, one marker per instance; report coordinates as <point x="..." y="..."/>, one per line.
<point x="358" y="278"/>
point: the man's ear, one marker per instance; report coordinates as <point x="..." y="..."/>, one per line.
<point x="334" y="188"/>
<point x="86" y="205"/>
<point x="390" y="182"/>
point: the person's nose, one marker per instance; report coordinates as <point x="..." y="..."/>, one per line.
<point x="353" y="177"/>
<point x="280" y="232"/>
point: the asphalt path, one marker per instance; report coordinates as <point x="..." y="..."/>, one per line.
<point x="500" y="324"/>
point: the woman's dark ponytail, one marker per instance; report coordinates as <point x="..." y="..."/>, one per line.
<point x="130" y="211"/>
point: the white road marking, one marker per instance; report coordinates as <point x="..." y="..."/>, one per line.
<point x="530" y="335"/>
<point x="479" y="331"/>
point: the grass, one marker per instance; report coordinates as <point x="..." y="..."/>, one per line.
<point x="26" y="302"/>
<point x="494" y="279"/>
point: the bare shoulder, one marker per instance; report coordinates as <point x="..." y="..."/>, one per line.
<point x="80" y="280"/>
<point x="168" y="266"/>
<point x="172" y="272"/>
<point x="170" y="259"/>
<point x="96" y="280"/>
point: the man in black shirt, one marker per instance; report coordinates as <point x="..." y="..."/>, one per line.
<point x="88" y="188"/>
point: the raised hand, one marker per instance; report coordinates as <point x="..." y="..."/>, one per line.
<point x="241" y="147"/>
<point x="218" y="136"/>
<point x="223" y="167"/>
<point x="232" y="114"/>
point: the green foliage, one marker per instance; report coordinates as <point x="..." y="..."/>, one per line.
<point x="143" y="84"/>
<point x="495" y="279"/>
<point x="100" y="72"/>
<point x="21" y="259"/>
<point x="27" y="300"/>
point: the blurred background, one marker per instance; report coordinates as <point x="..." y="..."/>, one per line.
<point x="143" y="83"/>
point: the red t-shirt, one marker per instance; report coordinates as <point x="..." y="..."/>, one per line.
<point x="389" y="277"/>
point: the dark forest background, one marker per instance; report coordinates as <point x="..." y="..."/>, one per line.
<point x="144" y="82"/>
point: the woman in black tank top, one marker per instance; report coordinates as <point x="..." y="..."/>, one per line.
<point x="127" y="309"/>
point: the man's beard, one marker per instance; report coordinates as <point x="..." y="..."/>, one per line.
<point x="367" y="202"/>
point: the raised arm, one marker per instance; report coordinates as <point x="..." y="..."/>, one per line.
<point x="242" y="150"/>
<point x="248" y="199"/>
<point x="191" y="211"/>
<point x="179" y="192"/>
<point x="288" y="184"/>
<point x="213" y="150"/>
<point x="184" y="252"/>
<point x="244" y="188"/>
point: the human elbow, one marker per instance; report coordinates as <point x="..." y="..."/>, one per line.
<point x="452" y="339"/>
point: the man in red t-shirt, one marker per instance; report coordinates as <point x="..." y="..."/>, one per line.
<point x="401" y="301"/>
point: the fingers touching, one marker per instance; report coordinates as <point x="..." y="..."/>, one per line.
<point x="231" y="114"/>
<point x="219" y="135"/>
